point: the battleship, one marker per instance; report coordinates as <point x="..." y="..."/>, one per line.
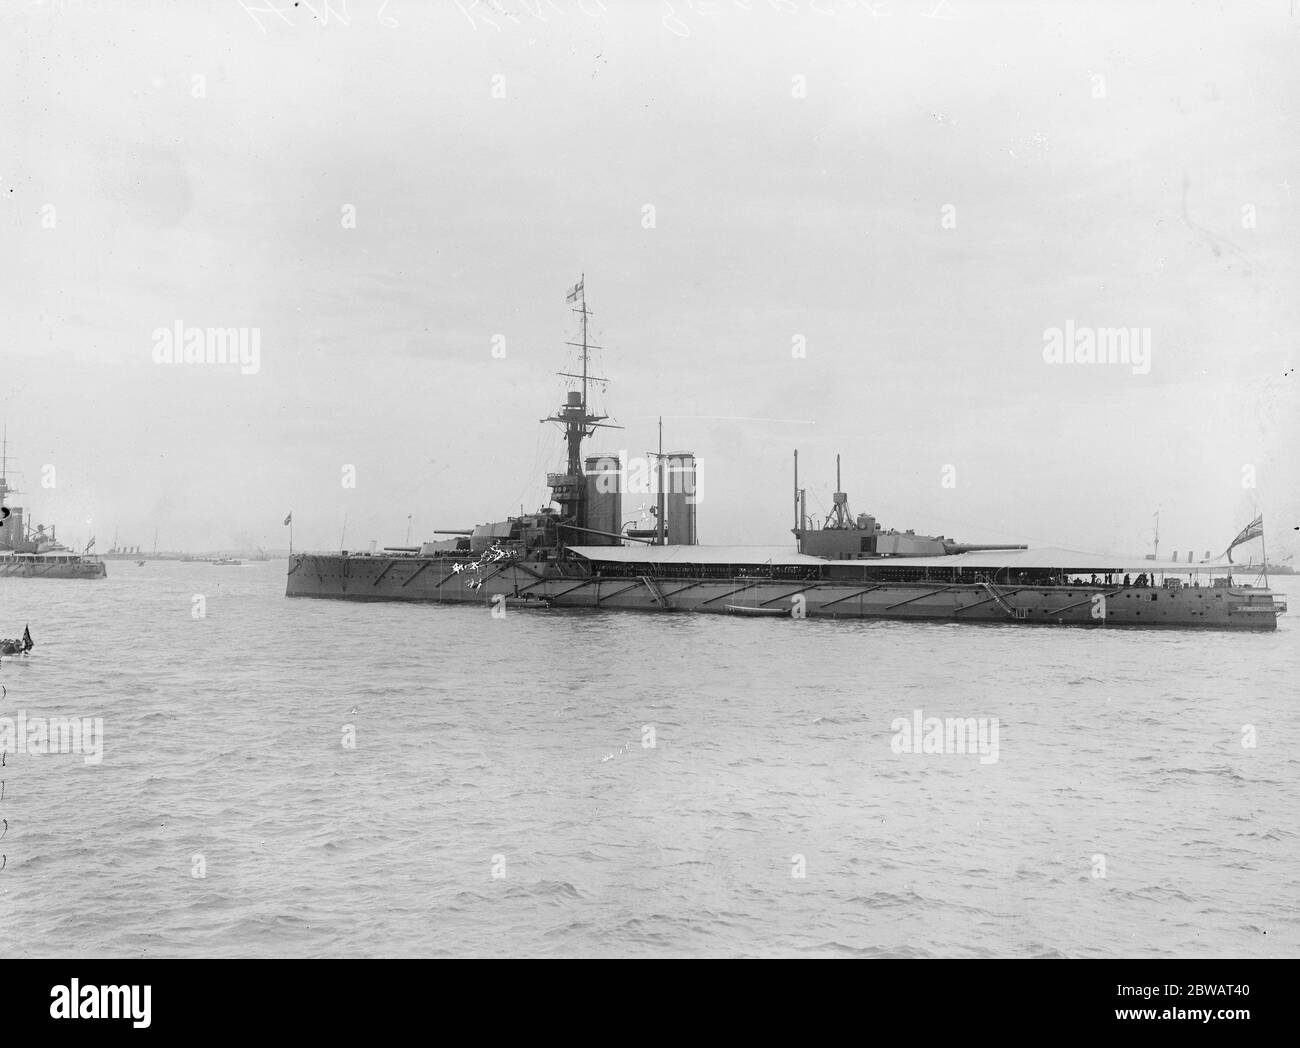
<point x="577" y="553"/>
<point x="33" y="551"/>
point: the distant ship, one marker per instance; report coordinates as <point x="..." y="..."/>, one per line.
<point x="581" y="555"/>
<point x="33" y="552"/>
<point x="135" y="553"/>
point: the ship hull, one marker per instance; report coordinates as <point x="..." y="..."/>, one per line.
<point x="37" y="567"/>
<point x="432" y="579"/>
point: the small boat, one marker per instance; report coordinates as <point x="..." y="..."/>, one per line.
<point x="139" y="564"/>
<point x="227" y="562"/>
<point x="12" y="646"/>
<point x="527" y="602"/>
<point x="771" y="613"/>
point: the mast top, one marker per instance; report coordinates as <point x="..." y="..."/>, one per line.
<point x="575" y="416"/>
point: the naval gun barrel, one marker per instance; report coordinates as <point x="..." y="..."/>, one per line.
<point x="973" y="547"/>
<point x="608" y="534"/>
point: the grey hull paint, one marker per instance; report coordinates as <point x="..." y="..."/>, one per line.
<point x="20" y="567"/>
<point x="431" y="579"/>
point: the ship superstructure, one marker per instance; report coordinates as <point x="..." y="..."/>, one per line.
<point x="579" y="554"/>
<point x="33" y="551"/>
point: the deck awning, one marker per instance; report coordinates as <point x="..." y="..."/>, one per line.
<point x="1046" y="558"/>
<point x="775" y="556"/>
<point x="1056" y="558"/>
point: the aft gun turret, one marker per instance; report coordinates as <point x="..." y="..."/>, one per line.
<point x="844" y="536"/>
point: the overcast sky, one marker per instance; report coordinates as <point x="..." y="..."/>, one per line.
<point x="913" y="191"/>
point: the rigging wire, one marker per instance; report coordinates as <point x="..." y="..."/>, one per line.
<point x="531" y="476"/>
